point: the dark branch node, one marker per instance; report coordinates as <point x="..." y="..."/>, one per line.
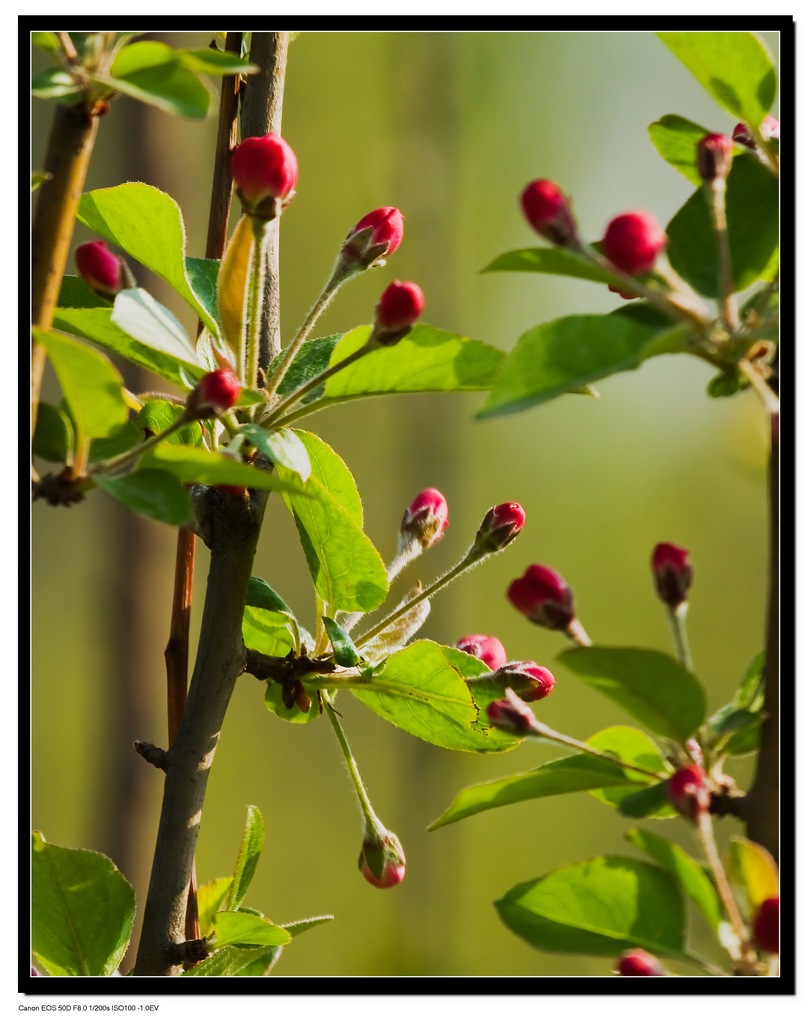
<point x="149" y="752"/>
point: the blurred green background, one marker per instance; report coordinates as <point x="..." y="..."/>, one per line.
<point x="449" y="127"/>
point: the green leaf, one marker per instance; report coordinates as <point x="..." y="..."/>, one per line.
<point x="147" y="224"/>
<point x="283" y="447"/>
<point x="690" y="876"/>
<point x="650" y="685"/>
<point x="398" y="633"/>
<point x="247" y="929"/>
<point x="650" y="802"/>
<point x="566" y="775"/>
<point x="38" y="178"/>
<point x="90" y="383"/>
<point x="270" y="632"/>
<point x="347" y="571"/>
<point x="427" y="359"/>
<point x="215" y="62"/>
<point x="599" y="907"/>
<point x="74" y="293"/>
<point x="96" y="325"/>
<point x="562" y="262"/>
<point x="153" y="73"/>
<point x="202" y="276"/>
<point x="555" y="357"/>
<point x="54" y="83"/>
<point x="734" y="67"/>
<point x="82" y="910"/>
<point x="228" y="962"/>
<point x="420" y="691"/>
<point x="53" y="435"/>
<point x="633" y="747"/>
<point x="141" y="317"/>
<point x="346" y="654"/>
<point x="752" y="205"/>
<point x="311" y="359"/>
<point x="735" y="728"/>
<point x="151" y="493"/>
<point x="123" y="440"/>
<point x="752" y="871"/>
<point x="157" y="415"/>
<point x="210" y="900"/>
<point x="262" y="595"/>
<point x="253" y="840"/>
<point x="199" y="466"/>
<point x="676" y="140"/>
<point x="45" y="41"/>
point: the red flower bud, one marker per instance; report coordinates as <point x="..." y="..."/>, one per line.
<point x="488" y="649"/>
<point x="375" y="237"/>
<point x="530" y="681"/>
<point x="672" y="573"/>
<point x="633" y="241"/>
<point x="714" y="156"/>
<point x="623" y="294"/>
<point x="500" y="527"/>
<point x="769" y="129"/>
<point x="766" y="925"/>
<point x="265" y="171"/>
<point x="400" y="305"/>
<point x="688" y="792"/>
<point x="637" y="963"/>
<point x="425" y="519"/>
<point x="382" y="860"/>
<point x="101" y="269"/>
<point x="511" y="714"/>
<point x="547" y="210"/>
<point x="544" y="597"/>
<point x="214" y="394"/>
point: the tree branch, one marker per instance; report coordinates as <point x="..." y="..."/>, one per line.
<point x="262" y="113"/>
<point x="232" y="531"/>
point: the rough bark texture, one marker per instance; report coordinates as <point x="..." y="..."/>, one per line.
<point x="230" y="527"/>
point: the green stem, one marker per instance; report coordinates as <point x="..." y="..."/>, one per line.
<point x="466" y="563"/>
<point x="327" y="295"/>
<point x="315" y="382"/>
<point x="120" y="461"/>
<point x="543" y="732"/>
<point x="678" y="622"/>
<point x="716" y="866"/>
<point x="256" y="277"/>
<point x="373" y="823"/>
<point x="716" y="196"/>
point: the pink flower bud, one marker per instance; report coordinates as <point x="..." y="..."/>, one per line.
<point x="214" y="394"/>
<point x="500" y="527"/>
<point x="688" y="792"/>
<point x="426" y="519"/>
<point x="488" y="649"/>
<point x="400" y="305"/>
<point x="544" y="597"/>
<point x="637" y="963"/>
<point x="382" y="860"/>
<point x="672" y="573"/>
<point x="265" y="171"/>
<point x="633" y="241"/>
<point x="511" y="714"/>
<point x="375" y="237"/>
<point x="530" y="681"/>
<point x="714" y="156"/>
<point x="101" y="269"/>
<point x="769" y="129"/>
<point x="547" y="210"/>
<point x="766" y="925"/>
